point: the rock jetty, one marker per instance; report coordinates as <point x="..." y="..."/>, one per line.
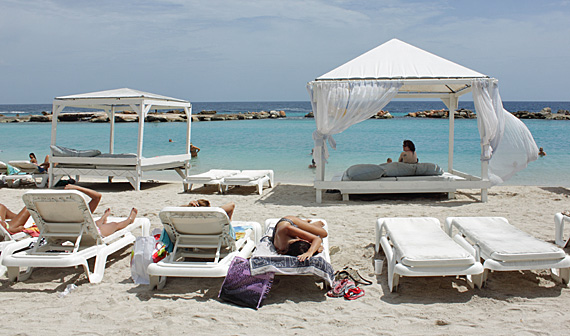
<point x="443" y="114"/>
<point x="129" y="116"/>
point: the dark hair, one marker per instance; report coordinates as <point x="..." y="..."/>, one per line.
<point x="297" y="248"/>
<point x="410" y="145"/>
<point x="204" y="202"/>
<point x="32" y="154"/>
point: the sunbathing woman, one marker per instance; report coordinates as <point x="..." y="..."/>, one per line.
<point x="17" y="220"/>
<point x="228" y="207"/>
<point x="298" y="237"/>
<point x="104" y="227"/>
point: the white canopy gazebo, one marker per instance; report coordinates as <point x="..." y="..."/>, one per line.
<point x="360" y="88"/>
<point x="123" y="165"/>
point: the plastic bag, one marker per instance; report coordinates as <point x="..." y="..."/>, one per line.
<point x="141" y="257"/>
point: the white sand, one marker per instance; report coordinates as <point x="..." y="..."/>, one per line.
<point x="512" y="302"/>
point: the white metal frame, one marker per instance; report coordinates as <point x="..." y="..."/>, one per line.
<point x="132" y="169"/>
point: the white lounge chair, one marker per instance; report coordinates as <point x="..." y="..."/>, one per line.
<point x="6" y="239"/>
<point x="266" y="259"/>
<point x="203" y="243"/>
<point x="250" y="178"/>
<point x="68" y="236"/>
<point x="30" y="172"/>
<point x="506" y="248"/>
<point x="213" y="176"/>
<point x="418" y="247"/>
<point x="559" y="220"/>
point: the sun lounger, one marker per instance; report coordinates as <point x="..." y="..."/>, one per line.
<point x="249" y="178"/>
<point x="506" y="248"/>
<point x="213" y="176"/>
<point x="418" y="247"/>
<point x="29" y="171"/>
<point x="204" y="243"/>
<point x="6" y="239"/>
<point x="3" y="168"/>
<point x="266" y="259"/>
<point x="68" y="236"/>
<point x="559" y="220"/>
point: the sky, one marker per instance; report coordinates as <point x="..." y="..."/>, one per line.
<point x="267" y="50"/>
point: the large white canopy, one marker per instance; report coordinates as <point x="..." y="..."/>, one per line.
<point x="358" y="89"/>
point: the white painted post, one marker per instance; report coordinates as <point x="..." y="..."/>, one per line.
<point x="484" y="177"/>
<point x="55" y="110"/>
<point x="112" y="137"/>
<point x="320" y="161"/>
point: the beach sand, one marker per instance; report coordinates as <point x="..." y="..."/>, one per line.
<point x="512" y="302"/>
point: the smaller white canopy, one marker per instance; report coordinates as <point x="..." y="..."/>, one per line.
<point x="120" y="98"/>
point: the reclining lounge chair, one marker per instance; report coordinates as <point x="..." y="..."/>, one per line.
<point x="29" y="171"/>
<point x="506" y="248"/>
<point x="204" y="243"/>
<point x="418" y="247"/>
<point x="250" y="178"/>
<point x="68" y="236"/>
<point x="213" y="176"/>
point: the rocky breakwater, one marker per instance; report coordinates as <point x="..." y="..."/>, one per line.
<point x="129" y="116"/>
<point x="443" y="114"/>
<point x="545" y="113"/>
<point x="382" y="115"/>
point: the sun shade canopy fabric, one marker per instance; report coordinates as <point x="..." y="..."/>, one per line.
<point x="358" y="89"/>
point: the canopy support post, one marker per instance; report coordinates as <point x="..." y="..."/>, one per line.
<point x="452" y="104"/>
<point x="112" y="137"/>
<point x="320" y="161"/>
<point x="56" y="110"/>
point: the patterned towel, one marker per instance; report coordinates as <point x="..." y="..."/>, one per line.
<point x="266" y="259"/>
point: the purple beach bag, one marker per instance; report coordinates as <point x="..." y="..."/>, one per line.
<point x="242" y="288"/>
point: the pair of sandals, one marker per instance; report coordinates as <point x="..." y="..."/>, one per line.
<point x="352" y="274"/>
<point x="346" y="288"/>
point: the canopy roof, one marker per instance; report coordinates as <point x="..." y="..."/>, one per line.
<point x="421" y="71"/>
<point x="118" y="98"/>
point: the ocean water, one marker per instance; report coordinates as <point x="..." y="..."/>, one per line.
<point x="284" y="145"/>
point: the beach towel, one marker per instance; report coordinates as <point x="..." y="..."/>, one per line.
<point x="266" y="259"/>
<point x="242" y="288"/>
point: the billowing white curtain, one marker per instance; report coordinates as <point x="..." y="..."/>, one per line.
<point x="338" y="105"/>
<point x="506" y="142"/>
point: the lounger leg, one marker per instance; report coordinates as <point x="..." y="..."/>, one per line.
<point x="260" y="187"/>
<point x="154" y="279"/>
<point x="26" y="275"/>
<point x="13" y="273"/>
<point x="345" y="197"/>
<point x="475" y="280"/>
<point x="561" y="275"/>
<point x="559" y="230"/>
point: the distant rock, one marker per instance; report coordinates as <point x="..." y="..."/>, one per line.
<point x="309" y="115"/>
<point x="207" y="112"/>
<point x="382" y="115"/>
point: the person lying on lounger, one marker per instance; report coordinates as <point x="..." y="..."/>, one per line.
<point x="41" y="167"/>
<point x="228" y="207"/>
<point x="17" y="220"/>
<point x="298" y="237"/>
<point x="104" y="227"/>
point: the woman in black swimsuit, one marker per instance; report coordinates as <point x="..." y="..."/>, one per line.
<point x="298" y="237"/>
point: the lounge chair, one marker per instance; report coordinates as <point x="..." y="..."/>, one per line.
<point x="249" y="178"/>
<point x="506" y="248"/>
<point x="28" y="171"/>
<point x="266" y="259"/>
<point x="418" y="247"/>
<point x="68" y="236"/>
<point x="559" y="220"/>
<point x="6" y="239"/>
<point x="213" y="176"/>
<point x="203" y="243"/>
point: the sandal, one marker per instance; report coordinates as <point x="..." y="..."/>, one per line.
<point x="354" y="293"/>
<point x="340" y="288"/>
<point x="355" y="276"/>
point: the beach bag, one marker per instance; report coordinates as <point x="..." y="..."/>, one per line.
<point x="141" y="257"/>
<point x="242" y="288"/>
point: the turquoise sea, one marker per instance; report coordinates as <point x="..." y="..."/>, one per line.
<point x="284" y="145"/>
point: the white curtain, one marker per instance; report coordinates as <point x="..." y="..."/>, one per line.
<point x="338" y="105"/>
<point x="506" y="142"/>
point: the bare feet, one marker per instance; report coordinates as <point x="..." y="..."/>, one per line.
<point x="132" y="215"/>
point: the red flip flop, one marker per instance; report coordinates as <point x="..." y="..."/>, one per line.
<point x="354" y="293"/>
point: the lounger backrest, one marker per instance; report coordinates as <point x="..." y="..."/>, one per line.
<point x="61" y="212"/>
<point x="200" y="224"/>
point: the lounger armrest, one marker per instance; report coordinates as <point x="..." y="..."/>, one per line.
<point x="473" y="250"/>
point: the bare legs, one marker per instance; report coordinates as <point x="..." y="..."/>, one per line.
<point x="17" y="221"/>
<point x="111" y="227"/>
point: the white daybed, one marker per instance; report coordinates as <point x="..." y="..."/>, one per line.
<point x="129" y="166"/>
<point x="360" y="88"/>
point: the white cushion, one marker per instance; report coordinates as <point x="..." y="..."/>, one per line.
<point x="501" y="241"/>
<point x="422" y="242"/>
